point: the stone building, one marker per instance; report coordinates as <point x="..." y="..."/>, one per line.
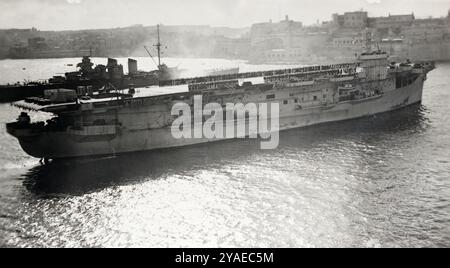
<point x="391" y="21"/>
<point x="274" y="35"/>
<point x="357" y="19"/>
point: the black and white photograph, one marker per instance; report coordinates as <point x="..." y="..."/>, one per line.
<point x="249" y="126"/>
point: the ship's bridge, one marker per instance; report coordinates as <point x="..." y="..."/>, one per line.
<point x="375" y="65"/>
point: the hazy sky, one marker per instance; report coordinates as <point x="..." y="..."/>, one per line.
<point x="88" y="14"/>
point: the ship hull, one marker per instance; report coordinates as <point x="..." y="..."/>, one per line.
<point x="56" y="145"/>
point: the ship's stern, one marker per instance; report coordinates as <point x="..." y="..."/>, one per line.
<point x="28" y="135"/>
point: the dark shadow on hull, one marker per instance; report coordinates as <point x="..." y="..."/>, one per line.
<point x="81" y="176"/>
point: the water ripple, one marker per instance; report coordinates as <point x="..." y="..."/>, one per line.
<point x="374" y="182"/>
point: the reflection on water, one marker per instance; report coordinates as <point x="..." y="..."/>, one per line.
<point x="330" y="182"/>
<point x="377" y="181"/>
<point x="86" y="175"/>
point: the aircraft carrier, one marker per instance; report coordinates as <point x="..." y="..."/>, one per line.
<point x="140" y="120"/>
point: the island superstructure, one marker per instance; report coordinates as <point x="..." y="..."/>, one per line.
<point x="141" y="120"/>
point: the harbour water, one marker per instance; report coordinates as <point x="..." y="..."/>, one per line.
<point x="382" y="181"/>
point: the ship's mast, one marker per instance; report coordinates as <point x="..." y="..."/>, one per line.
<point x="158" y="46"/>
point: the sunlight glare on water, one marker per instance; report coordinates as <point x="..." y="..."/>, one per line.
<point x="381" y="181"/>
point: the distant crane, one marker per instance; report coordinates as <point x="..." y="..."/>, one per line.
<point x="148" y="51"/>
